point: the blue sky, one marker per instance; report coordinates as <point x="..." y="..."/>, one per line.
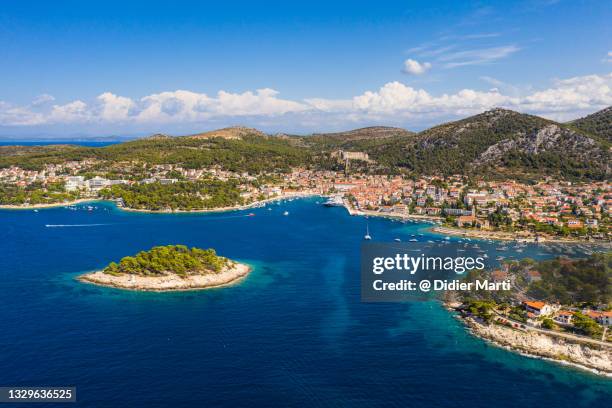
<point x="111" y="68"/>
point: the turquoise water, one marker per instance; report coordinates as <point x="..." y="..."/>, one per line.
<point x="294" y="333"/>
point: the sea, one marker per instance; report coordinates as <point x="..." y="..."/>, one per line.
<point x="293" y="333"/>
<point x="50" y="143"/>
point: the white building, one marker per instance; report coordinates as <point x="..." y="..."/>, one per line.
<point x="75" y="183"/>
<point x="538" y="308"/>
<point x="98" y="183"/>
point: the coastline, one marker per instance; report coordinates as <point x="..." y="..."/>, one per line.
<point x="538" y="345"/>
<point x="438" y="229"/>
<point x="142" y="210"/>
<point x="170" y="282"/>
<point x="49" y="205"/>
<point x="370" y="213"/>
<point x="242" y="207"/>
<point x="503" y="236"/>
<point x="462" y="232"/>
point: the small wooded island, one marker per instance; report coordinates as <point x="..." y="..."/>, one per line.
<point x="169" y="268"/>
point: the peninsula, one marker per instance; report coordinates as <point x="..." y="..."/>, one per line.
<point x="558" y="309"/>
<point x="169" y="268"/>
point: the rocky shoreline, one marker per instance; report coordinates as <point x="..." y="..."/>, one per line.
<point x="170" y="281"/>
<point x="592" y="358"/>
<point x="48" y="205"/>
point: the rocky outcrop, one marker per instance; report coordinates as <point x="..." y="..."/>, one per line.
<point x="169" y="281"/>
<point x="539" y="344"/>
<point x="234" y="132"/>
<point x="549" y="138"/>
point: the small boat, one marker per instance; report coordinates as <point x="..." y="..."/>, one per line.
<point x="413" y="240"/>
<point x="286" y="213"/>
<point x="335" y="201"/>
<point x="35" y="210"/>
<point x="269" y="209"/>
<point x="397" y="240"/>
<point x="367" y="236"/>
<point x="251" y="215"/>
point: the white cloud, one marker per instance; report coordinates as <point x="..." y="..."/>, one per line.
<point x="578" y="93"/>
<point x="42" y="99"/>
<point x="415" y="67"/>
<point x="184" y="105"/>
<point x="113" y="107"/>
<point x="477" y="56"/>
<point x="393" y="103"/>
<point x="76" y="111"/>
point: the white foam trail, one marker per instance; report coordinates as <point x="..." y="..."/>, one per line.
<point x="72" y="225"/>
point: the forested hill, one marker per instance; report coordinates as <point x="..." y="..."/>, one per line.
<point x="496" y="143"/>
<point x="253" y="153"/>
<point x="598" y="124"/>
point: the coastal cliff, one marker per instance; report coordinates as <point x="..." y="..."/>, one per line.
<point x="594" y="358"/>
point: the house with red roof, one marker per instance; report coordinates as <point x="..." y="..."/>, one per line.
<point x="538" y="308"/>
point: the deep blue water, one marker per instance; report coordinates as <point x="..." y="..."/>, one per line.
<point x="45" y="143"/>
<point x="294" y="333"/>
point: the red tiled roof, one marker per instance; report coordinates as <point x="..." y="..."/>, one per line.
<point x="535" y="305"/>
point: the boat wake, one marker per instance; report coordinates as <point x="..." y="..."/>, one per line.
<point x="72" y="225"/>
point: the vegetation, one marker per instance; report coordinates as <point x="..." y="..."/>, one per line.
<point x="574" y="281"/>
<point x="548" y="323"/>
<point x="180" y="195"/>
<point x="495" y="144"/>
<point x="585" y="325"/>
<point x="598" y="123"/>
<point x="252" y="154"/>
<point x="481" y="309"/>
<point x="34" y="193"/>
<point x="177" y="259"/>
<point x="460" y="148"/>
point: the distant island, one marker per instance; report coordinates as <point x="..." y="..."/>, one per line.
<point x="169" y="268"/>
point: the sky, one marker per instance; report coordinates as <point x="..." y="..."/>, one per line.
<point x="75" y="69"/>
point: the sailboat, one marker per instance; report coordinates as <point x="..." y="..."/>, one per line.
<point x="367" y="236"/>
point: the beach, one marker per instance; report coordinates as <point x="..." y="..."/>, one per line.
<point x="169" y="281"/>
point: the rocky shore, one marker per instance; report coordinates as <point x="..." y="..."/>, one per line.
<point x="597" y="359"/>
<point x="47" y="205"/>
<point x="169" y="281"/>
